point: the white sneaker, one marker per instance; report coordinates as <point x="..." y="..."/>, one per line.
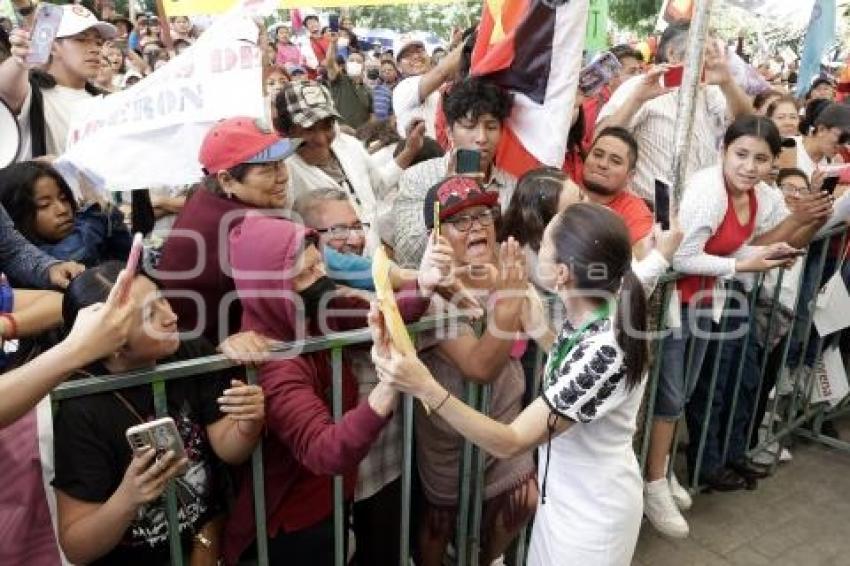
<point x="680" y="494"/>
<point x="661" y="510"/>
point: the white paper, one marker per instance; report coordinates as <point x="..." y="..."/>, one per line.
<point x="674" y="310"/>
<point x="832" y="306"/>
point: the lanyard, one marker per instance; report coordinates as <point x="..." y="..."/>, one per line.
<point x="565" y="347"/>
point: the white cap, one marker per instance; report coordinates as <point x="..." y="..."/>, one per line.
<point x="77" y="19"/>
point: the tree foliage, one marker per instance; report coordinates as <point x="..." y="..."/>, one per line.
<point x="635" y="15"/>
<point x="438" y="18"/>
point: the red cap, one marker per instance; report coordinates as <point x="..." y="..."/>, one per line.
<point x="242" y="140"/>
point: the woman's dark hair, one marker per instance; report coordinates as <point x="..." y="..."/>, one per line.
<point x="784" y="99"/>
<point x="430" y="150"/>
<point x="17" y="193"/>
<point x="675" y="37"/>
<point x="792" y="172"/>
<point x="763" y="97"/>
<point x="381" y="131"/>
<point x="576" y="134"/>
<point x="756" y="126"/>
<point x="533" y="204"/>
<point x="810" y="115"/>
<point x="238" y="172"/>
<point x="594" y="243"/>
<point x="474" y="97"/>
<point x="89" y="287"/>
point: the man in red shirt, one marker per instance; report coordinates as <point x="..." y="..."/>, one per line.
<point x="608" y="171"/>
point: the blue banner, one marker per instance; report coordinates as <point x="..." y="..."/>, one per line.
<point x="819" y="37"/>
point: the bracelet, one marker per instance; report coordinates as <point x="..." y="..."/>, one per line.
<point x="11" y="330"/>
<point x="443" y="402"/>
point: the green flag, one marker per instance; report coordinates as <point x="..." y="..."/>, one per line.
<point x="597" y="26"/>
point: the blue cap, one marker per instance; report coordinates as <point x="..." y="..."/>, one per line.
<point x="277" y="151"/>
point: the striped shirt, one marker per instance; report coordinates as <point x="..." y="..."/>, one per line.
<point x="382" y="102"/>
<point x="654" y="127"/>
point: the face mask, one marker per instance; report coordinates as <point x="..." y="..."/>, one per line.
<point x="342" y="42"/>
<point x="312" y="296"/>
<point x="353" y="68"/>
<point x="372" y="74"/>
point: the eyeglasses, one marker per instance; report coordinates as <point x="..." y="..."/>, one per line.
<point x="792" y="188"/>
<point x="463" y="222"/>
<point x="343" y="231"/>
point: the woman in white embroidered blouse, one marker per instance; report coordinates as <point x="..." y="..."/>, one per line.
<point x="583" y="422"/>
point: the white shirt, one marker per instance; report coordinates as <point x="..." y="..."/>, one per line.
<point x="366" y="181"/>
<point x="25" y="151"/>
<point x="408" y="107"/>
<point x="701" y="212"/>
<point x="804" y="160"/>
<point x="59" y="103"/>
<point x="654" y="128"/>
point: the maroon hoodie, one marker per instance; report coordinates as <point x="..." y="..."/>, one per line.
<point x="303" y="446"/>
<point x="210" y="217"/>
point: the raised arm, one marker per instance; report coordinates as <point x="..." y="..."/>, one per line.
<point x="14" y="85"/>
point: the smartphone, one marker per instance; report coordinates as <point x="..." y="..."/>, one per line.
<point x="44" y="29"/>
<point x="333" y="22"/>
<point x="161" y="435"/>
<point x="662" y="204"/>
<point x="786" y="256"/>
<point x="789" y="143"/>
<point x="598" y="73"/>
<point x="829" y="184"/>
<point x="468" y="161"/>
<point x="673" y="77"/>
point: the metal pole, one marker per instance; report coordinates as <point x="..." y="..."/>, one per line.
<point x="686" y="106"/>
<point x="259" y="489"/>
<point x="340" y="531"/>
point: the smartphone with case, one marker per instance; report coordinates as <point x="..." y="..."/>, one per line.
<point x="468" y="161"/>
<point x="333" y="22"/>
<point x="662" y="204"/>
<point x="598" y="73"/>
<point x="829" y="184"/>
<point x="673" y="77"/>
<point x="161" y="435"/>
<point x="43" y="33"/>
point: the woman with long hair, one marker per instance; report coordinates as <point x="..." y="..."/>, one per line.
<point x="591" y="503"/>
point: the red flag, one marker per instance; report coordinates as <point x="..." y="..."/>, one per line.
<point x="534" y="49"/>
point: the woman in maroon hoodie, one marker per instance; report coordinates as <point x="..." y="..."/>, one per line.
<point x="281" y="282"/>
<point x="244" y="168"/>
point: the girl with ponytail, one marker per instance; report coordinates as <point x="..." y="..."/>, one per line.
<point x="584" y="419"/>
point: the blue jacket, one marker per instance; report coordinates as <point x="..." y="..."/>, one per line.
<point x="97" y="237"/>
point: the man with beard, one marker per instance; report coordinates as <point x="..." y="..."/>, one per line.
<point x="608" y="172"/>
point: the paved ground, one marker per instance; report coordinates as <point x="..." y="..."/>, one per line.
<point x="799" y="517"/>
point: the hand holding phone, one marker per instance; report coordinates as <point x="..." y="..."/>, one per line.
<point x="161" y="435"/>
<point x="662" y="204"/>
<point x="467" y="162"/>
<point x="44" y="30"/>
<point x="672" y="78"/>
<point x="785" y="256"/>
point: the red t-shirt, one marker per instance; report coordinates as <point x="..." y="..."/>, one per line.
<point x="728" y="239"/>
<point x="635" y="213"/>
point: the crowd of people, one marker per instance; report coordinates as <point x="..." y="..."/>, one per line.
<point x="275" y="244"/>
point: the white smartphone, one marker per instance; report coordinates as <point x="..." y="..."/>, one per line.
<point x="161" y="434"/>
<point x="43" y="33"/>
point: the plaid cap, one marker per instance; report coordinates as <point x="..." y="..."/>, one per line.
<point x="308" y="102"/>
<point x="455" y="194"/>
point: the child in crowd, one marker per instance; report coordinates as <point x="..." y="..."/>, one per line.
<point x="44" y="210"/>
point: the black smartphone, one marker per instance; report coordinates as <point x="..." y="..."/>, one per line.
<point x="786" y="256"/>
<point x="333" y="22"/>
<point x="468" y="161"/>
<point x="829" y="184"/>
<point x="789" y="143"/>
<point x="662" y="204"/>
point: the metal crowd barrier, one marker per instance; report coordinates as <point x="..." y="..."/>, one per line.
<point x="798" y="411"/>
<point x="787" y="414"/>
